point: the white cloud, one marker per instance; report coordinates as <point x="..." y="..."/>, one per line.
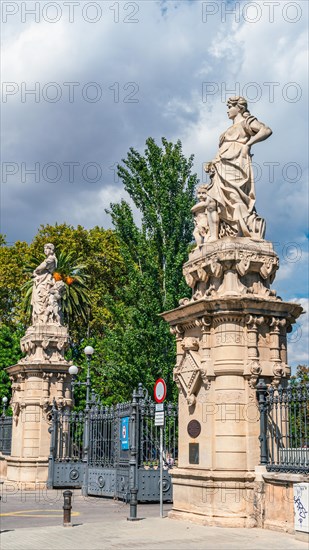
<point x="169" y="54"/>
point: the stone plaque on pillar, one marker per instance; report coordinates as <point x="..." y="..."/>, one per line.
<point x="232" y="331"/>
<point x="194" y="457"/>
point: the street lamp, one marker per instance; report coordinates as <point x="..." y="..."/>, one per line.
<point x="73" y="370"/>
<point x="4" y="402"/>
<point x="88" y="351"/>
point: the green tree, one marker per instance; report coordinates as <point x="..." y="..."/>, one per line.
<point x="298" y="399"/>
<point x="12" y="262"/>
<point x="96" y="249"/>
<point x="10" y="353"/>
<point x="140" y="346"/>
<point x="162" y="187"/>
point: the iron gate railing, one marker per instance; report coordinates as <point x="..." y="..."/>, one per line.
<point x="108" y="450"/>
<point x="284" y="427"/>
<point x="5" y="434"/>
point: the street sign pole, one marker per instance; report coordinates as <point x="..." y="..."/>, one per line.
<point x="161" y="471"/>
<point x="159" y="395"/>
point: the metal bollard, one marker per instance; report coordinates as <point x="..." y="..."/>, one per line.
<point x="133" y="505"/>
<point x="67" y="507"/>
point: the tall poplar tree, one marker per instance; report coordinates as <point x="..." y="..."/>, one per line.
<point x="161" y="186"/>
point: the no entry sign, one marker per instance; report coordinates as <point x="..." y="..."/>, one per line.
<point x="159" y="390"/>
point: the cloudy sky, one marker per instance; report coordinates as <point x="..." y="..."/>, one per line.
<point x="84" y="81"/>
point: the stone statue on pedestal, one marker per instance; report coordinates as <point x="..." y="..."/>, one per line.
<point x="40" y="377"/>
<point x="231" y="256"/>
<point x="46" y="293"/>
<point x="230" y="197"/>
<point x="231" y="333"/>
<point x="46" y="339"/>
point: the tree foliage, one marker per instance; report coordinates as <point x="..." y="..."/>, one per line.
<point x="128" y="275"/>
<point x="10" y="353"/>
<point x="97" y="250"/>
<point x="299" y="407"/>
<point x="160" y="183"/>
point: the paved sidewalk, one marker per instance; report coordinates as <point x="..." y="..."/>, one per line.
<point x="33" y="521"/>
<point x="148" y="534"/>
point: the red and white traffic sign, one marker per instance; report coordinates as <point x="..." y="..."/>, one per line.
<point x="159" y="390"/>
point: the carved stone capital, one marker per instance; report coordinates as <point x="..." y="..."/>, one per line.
<point x="253" y="321"/>
<point x="276" y="323"/>
<point x="204" y="322"/>
<point x="178" y="331"/>
<point x="278" y="372"/>
<point x="190" y="343"/>
<point x="255" y="372"/>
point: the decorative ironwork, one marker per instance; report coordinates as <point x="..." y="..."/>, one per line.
<point x="5" y="434"/>
<point x="284" y="427"/>
<point x="114" y="451"/>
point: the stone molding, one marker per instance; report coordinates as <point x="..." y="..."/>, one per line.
<point x="237" y="266"/>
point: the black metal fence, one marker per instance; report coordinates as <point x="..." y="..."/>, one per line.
<point x="5" y="434"/>
<point x="284" y="427"/>
<point x="108" y="451"/>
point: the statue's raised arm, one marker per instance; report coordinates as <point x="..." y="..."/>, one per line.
<point x="230" y="200"/>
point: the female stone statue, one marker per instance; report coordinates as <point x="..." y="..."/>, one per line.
<point x="42" y="284"/>
<point x="231" y="194"/>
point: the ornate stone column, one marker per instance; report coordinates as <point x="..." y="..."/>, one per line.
<point x="38" y="378"/>
<point x="225" y="342"/>
<point x="231" y="332"/>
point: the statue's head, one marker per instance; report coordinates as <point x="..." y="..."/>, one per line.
<point x="201" y="192"/>
<point x="239" y="102"/>
<point x="49" y="248"/>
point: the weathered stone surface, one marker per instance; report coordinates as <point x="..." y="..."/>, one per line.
<point x="232" y="267"/>
<point x="40" y="377"/>
<point x="231" y="332"/>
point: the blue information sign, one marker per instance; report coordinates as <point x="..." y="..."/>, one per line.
<point x="124" y="434"/>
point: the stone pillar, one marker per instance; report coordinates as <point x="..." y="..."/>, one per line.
<point x="231" y="332"/>
<point x="37" y="379"/>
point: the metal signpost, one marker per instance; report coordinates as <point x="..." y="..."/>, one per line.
<point x="159" y="395"/>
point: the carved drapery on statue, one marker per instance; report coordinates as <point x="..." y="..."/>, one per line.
<point x="46" y="293"/>
<point x="46" y="339"/>
<point x="227" y="203"/>
<point x="231" y="256"/>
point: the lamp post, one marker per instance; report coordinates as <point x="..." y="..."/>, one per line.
<point x="4" y="402"/>
<point x="73" y="371"/>
<point x="88" y="351"/>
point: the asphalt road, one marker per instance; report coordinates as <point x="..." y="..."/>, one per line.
<point x="44" y="508"/>
<point x="33" y="521"/>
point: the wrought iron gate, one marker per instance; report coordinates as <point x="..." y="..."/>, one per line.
<point x="5" y="434"/>
<point x="107" y="450"/>
<point x="284" y="427"/>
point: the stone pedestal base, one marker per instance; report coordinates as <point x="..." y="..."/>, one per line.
<point x="27" y="473"/>
<point x="232" y="332"/>
<point x="38" y="379"/>
<point x="210" y="498"/>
